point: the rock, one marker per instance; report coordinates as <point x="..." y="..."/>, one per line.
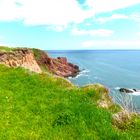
<point x="63" y="60"/>
<point x="125" y="90"/>
<point x="58" y="66"/>
<point x="20" y="58"/>
<point x="34" y="60"/>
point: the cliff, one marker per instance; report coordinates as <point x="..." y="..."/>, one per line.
<point x="58" y="66"/>
<point x="20" y="58"/>
<point x="38" y="61"/>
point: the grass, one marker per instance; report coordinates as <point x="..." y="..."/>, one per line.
<point x="44" y="107"/>
<point x="5" y="49"/>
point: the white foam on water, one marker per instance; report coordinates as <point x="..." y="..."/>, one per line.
<point x="82" y="73"/>
<point x="135" y="93"/>
<point x="117" y="88"/>
<point x="85" y="71"/>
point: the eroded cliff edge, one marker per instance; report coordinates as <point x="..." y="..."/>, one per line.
<point x="38" y="61"/>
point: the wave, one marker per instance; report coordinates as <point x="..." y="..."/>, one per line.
<point x="117" y="88"/>
<point x="135" y="93"/>
<point x="82" y="73"/>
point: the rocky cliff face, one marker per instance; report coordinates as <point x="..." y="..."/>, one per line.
<point x="58" y="66"/>
<point x="28" y="59"/>
<point x="20" y="58"/>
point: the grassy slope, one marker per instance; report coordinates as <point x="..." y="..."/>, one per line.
<point x="43" y="107"/>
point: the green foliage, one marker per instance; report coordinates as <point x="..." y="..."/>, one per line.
<point x="64" y="118"/>
<point x="44" y="107"/>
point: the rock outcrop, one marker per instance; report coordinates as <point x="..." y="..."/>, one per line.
<point x="58" y="66"/>
<point x="38" y="61"/>
<point x="20" y="58"/>
<point x="125" y="90"/>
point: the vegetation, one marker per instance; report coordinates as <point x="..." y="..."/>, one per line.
<point x="5" y="49"/>
<point x="44" y="107"/>
<point x="37" y="53"/>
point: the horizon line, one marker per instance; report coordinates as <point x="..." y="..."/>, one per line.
<point x="98" y="50"/>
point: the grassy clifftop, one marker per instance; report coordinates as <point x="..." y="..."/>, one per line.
<point x="40" y="106"/>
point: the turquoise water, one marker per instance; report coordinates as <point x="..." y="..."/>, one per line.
<point x="110" y="68"/>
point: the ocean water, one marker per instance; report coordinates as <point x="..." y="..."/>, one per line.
<point x="113" y="69"/>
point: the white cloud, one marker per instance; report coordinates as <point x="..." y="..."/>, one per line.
<point x="57" y="14"/>
<point x="53" y="12"/>
<point x="116" y="44"/>
<point x="101" y="6"/>
<point x="113" y="17"/>
<point x="99" y="32"/>
<point x="44" y="12"/>
<point x="9" y="10"/>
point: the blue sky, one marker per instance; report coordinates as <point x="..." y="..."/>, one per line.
<point x="70" y="24"/>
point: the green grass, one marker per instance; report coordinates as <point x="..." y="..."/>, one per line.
<point x="43" y="107"/>
<point x="5" y="49"/>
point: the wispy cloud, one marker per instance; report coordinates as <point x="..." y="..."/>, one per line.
<point x="119" y="44"/>
<point x="133" y="17"/>
<point x="112" y="17"/>
<point x="101" y="6"/>
<point x="99" y="32"/>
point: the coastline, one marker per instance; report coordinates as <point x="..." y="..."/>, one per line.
<point x="55" y="105"/>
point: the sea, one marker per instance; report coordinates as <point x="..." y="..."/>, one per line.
<point x="113" y="68"/>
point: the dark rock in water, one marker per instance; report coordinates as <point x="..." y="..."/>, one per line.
<point x="125" y="90"/>
<point x="135" y="90"/>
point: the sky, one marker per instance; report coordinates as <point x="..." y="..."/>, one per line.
<point x="70" y="24"/>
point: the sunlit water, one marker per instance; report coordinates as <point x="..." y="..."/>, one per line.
<point x="113" y="69"/>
